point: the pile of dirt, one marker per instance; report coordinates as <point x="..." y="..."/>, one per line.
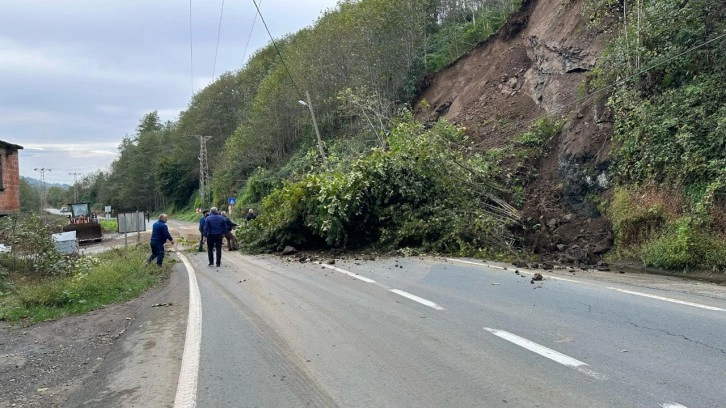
<point x="534" y="67"/>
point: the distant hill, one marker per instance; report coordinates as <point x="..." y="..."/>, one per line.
<point x="35" y="182"/>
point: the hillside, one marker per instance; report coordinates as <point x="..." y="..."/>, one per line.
<point x="37" y="183"/>
<point x="575" y="108"/>
<point x="531" y="69"/>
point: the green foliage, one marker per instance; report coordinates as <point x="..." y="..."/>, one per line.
<point x="29" y="196"/>
<point x="111" y="277"/>
<point x="33" y="251"/>
<point x="650" y="225"/>
<point x="668" y="104"/>
<point x="521" y="154"/>
<point x="675" y="137"/>
<point x="539" y="133"/>
<point x="685" y="246"/>
<point x="669" y="117"/>
<point x="57" y="196"/>
<point x="281" y="221"/>
<point x="462" y="34"/>
<point x="636" y="217"/>
<point x="110" y="225"/>
<point x="421" y="190"/>
<point x="260" y="184"/>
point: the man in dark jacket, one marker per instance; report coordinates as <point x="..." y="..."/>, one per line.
<point x="159" y="235"/>
<point x="201" y="229"/>
<point x="214" y="228"/>
<point x="229" y="234"/>
<point x="249" y="217"/>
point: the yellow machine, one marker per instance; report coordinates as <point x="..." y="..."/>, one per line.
<point x="84" y="222"/>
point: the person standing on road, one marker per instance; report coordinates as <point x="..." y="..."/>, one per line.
<point x="159" y="235"/>
<point x="229" y="234"/>
<point x="201" y="229"/>
<point x="214" y="228"/>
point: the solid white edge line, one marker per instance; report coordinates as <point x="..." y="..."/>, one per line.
<point x="543" y="351"/>
<point x="418" y="299"/>
<point x="186" y="391"/>
<point x="667" y="299"/>
<point x="476" y="263"/>
<point x="351" y="274"/>
<point x="672" y="405"/>
<point x="509" y="269"/>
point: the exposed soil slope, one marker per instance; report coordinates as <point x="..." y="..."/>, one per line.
<point x="533" y="68"/>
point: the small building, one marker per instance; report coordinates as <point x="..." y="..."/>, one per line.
<point x="9" y="178"/>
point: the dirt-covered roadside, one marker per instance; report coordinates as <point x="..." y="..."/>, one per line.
<point x="45" y="364"/>
<point x="41" y="365"/>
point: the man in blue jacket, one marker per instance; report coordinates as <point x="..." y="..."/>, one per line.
<point x="159" y="235"/>
<point x="214" y="228"/>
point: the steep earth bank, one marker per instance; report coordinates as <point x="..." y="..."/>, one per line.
<point x="534" y="67"/>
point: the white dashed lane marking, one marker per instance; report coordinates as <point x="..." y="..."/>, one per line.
<point x="351" y="274"/>
<point x="543" y="351"/>
<point x="417" y="299"/>
<point x="399" y="292"/>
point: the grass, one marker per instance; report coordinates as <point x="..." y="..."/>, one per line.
<point x="114" y="277"/>
<point x="659" y="228"/>
<point x="110" y="225"/>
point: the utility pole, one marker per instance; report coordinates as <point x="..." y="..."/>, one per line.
<point x="75" y="185"/>
<point x="203" y="168"/>
<point x="42" y="188"/>
<point x="309" y="104"/>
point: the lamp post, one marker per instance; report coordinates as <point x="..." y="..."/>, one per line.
<point x="309" y="104"/>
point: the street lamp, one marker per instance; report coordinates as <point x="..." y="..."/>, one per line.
<point x="309" y="104"/>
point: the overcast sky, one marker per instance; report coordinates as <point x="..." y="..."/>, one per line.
<point x="76" y="76"/>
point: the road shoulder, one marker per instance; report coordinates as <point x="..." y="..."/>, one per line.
<point x="143" y="367"/>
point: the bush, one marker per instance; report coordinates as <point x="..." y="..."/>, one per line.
<point x="422" y="190"/>
<point x="33" y="249"/>
<point x="108" y="225"/>
<point x="258" y="185"/>
<point x="659" y="228"/>
<point x="636" y="216"/>
<point x="684" y="246"/>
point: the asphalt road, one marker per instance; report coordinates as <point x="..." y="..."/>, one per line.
<point x="443" y="333"/>
<point x="421" y="332"/>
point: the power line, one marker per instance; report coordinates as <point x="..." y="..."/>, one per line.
<point x="277" y="50"/>
<point x="191" y="48"/>
<point x="249" y="37"/>
<point x="219" y="32"/>
<point x="644" y="70"/>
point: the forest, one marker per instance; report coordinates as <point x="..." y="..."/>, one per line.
<point x="318" y="132"/>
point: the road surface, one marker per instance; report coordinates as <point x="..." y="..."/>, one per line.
<point x="419" y="332"/>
